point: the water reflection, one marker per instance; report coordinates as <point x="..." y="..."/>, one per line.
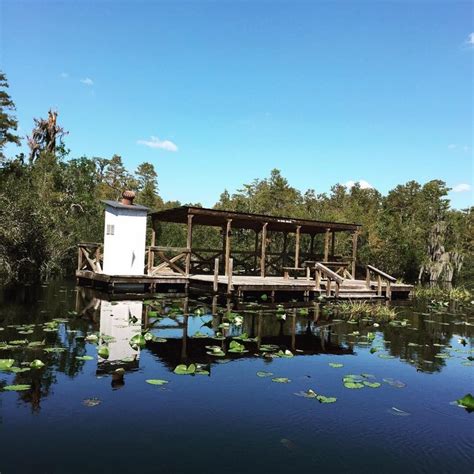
<point x="181" y="331"/>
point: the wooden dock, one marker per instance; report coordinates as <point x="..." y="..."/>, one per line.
<point x="242" y="286"/>
<point x="261" y="263"/>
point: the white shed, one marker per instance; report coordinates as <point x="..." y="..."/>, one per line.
<point x="124" y="237"/>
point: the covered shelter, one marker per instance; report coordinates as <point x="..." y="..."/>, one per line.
<point x="256" y="261"/>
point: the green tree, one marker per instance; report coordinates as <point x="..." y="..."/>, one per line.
<point x="8" y="122"/>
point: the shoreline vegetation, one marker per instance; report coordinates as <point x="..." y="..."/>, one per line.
<point x="50" y="201"/>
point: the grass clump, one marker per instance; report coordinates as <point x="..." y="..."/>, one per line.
<point x="355" y="310"/>
<point x="435" y="294"/>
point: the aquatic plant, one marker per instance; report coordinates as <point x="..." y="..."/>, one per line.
<point x="356" y="310"/>
<point x="466" y="402"/>
<point x="442" y="296"/>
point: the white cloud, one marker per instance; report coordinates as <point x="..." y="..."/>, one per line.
<point x="461" y="188"/>
<point x="64" y="75"/>
<point x="87" y="81"/>
<point x="362" y="183"/>
<point x="470" y="40"/>
<point x="155" y="142"/>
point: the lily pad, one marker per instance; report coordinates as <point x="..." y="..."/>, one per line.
<point x="137" y="341"/>
<point x="466" y="402"/>
<point x="262" y="373"/>
<point x="371" y="384"/>
<point x="37" y="364"/>
<point x="86" y="357"/>
<point x="182" y="369"/>
<point x="394" y="383"/>
<point x="156" y="381"/>
<point x="5" y="364"/>
<point x="323" y="399"/>
<point x="335" y="365"/>
<point x="281" y="380"/>
<point x="353" y="385"/>
<point x="91" y="402"/>
<point x="17" y="388"/>
<point x="103" y="352"/>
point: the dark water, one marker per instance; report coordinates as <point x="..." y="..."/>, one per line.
<point x="231" y="420"/>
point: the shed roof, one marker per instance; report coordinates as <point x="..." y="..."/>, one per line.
<point x="244" y="220"/>
<point x="119" y="205"/>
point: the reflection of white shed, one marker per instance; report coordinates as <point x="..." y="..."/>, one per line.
<point x="121" y="320"/>
<point x="124" y="237"/>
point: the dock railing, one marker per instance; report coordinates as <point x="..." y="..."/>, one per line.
<point x="330" y="277"/>
<point x="381" y="276"/>
<point x="89" y="257"/>
<point x="167" y="260"/>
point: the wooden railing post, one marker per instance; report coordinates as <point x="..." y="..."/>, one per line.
<point x="379" y="285"/>
<point x="328" y="286"/>
<point x="388" y="290"/>
<point x="367" y="278"/>
<point x="318" y="279"/>
<point x="297" y="247"/>
<point x="229" y="275"/>
<point x="263" y="250"/>
<point x="216" y="275"/>
<point x="189" y="243"/>
<point x="79" y="258"/>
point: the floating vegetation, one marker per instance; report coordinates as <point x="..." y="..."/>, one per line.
<point x="386" y="356"/>
<point x="237" y="348"/>
<point x="356" y="310"/>
<point x="198" y="335"/>
<point x="137" y="341"/>
<point x="281" y="380"/>
<point x="6" y="364"/>
<point x="215" y="351"/>
<point x="37" y="364"/>
<point x="103" y="352"/>
<point x="439" y="297"/>
<point x="311" y="394"/>
<point x="182" y="369"/>
<point x="86" y="357"/>
<point x="335" y="365"/>
<point x="466" y="402"/>
<point x="371" y="384"/>
<point x="55" y="349"/>
<point x="17" y="388"/>
<point x="284" y="354"/>
<point x="156" y="381"/>
<point x="91" y="402"/>
<point x="268" y="348"/>
<point x="262" y="374"/>
<point x="394" y="383"/>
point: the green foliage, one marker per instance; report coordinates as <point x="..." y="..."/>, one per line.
<point x="8" y="122"/>
<point x="52" y="202"/>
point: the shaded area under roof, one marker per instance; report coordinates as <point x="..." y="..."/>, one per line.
<point x="243" y="220"/>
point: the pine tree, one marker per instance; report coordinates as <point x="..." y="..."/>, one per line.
<point x="8" y="122"/>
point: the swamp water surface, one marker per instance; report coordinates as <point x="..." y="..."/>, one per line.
<point x="267" y="390"/>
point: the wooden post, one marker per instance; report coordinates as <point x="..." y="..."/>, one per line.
<point x="151" y="252"/>
<point x="354" y="253"/>
<point x="326" y="245"/>
<point x="317" y="278"/>
<point x="229" y="275"/>
<point x="367" y="278"/>
<point x="333" y="244"/>
<point x="388" y="290"/>
<point x="263" y="250"/>
<point x="255" y="259"/>
<point x="227" y="245"/>
<point x="189" y="243"/>
<point x="379" y="285"/>
<point x="297" y="247"/>
<point x="79" y="258"/>
<point x="216" y="275"/>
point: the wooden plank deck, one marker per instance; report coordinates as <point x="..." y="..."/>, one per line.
<point x="350" y="289"/>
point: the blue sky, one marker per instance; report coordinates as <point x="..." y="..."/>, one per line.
<point x="215" y="94"/>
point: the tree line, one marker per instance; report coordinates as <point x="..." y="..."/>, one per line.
<point x="50" y="201"/>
